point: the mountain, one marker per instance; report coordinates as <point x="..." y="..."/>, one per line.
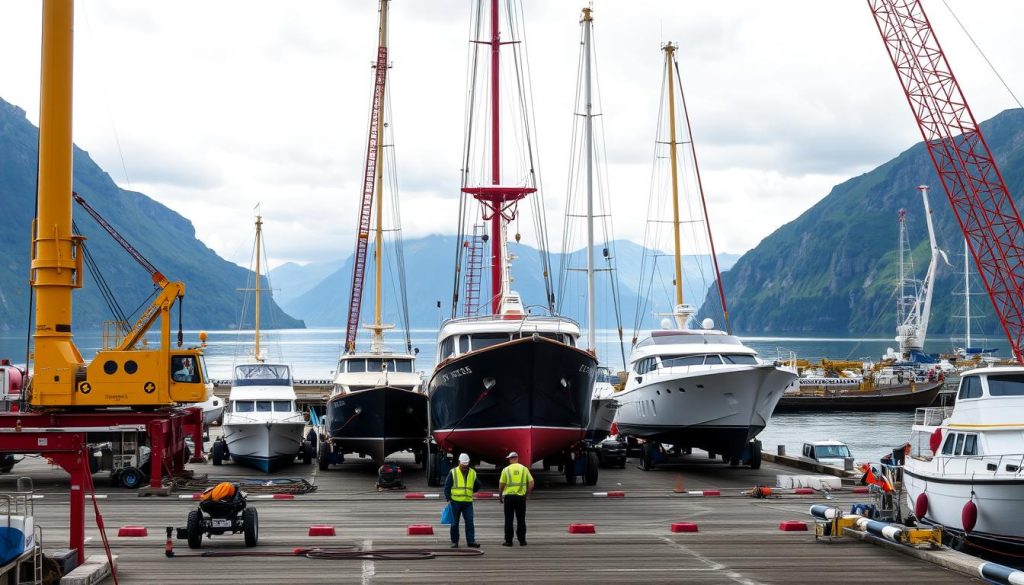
<point x="429" y="263"/>
<point x="291" y="280"/>
<point x="833" y="269"/>
<point x="165" y="238"/>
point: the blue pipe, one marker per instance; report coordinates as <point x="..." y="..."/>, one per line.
<point x="1003" y="575"/>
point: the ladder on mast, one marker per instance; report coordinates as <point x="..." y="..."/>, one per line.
<point x="474" y="271"/>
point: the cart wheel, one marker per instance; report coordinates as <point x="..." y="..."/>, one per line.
<point x="217" y="452"/>
<point x="312" y="439"/>
<point x="323" y="457"/>
<point x="590" y="475"/>
<point x="194" y="527"/>
<point x="307" y="453"/>
<point x="132" y="477"/>
<point x="433" y="478"/>
<point x="647" y="454"/>
<point x="251" y="526"/>
<point x="755" y="454"/>
<point x="570" y="472"/>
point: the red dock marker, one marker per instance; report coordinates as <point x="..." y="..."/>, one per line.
<point x="133" y="531"/>
<point x="684" y="527"/>
<point x="793" y="526"/>
<point x="415" y="496"/>
<point x="321" y="530"/>
<point x="804" y="491"/>
<point x="419" y="530"/>
<point x="581" y="529"/>
<point x="860" y="489"/>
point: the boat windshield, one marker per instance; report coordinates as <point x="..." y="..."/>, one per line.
<point x="1006" y="385"/>
<point x="831" y="451"/>
<point x="378" y="365"/>
<point x="687" y="338"/>
<point x="262" y="375"/>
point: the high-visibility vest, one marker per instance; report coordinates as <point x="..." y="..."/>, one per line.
<point x="462" y="486"/>
<point x="516" y="478"/>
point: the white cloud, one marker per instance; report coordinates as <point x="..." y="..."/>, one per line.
<point x="217" y="106"/>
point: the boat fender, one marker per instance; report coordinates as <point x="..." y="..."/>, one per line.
<point x="969" y="515"/>
<point x="935" y="441"/>
<point x="921" y="505"/>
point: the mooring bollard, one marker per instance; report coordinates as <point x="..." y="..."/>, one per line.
<point x="782" y="450"/>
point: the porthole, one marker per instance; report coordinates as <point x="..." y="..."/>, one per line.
<point x="110" y="367"/>
<point x="130" y="367"/>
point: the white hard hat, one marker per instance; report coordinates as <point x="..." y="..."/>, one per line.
<point x="464" y="458"/>
<point x="511" y="455"/>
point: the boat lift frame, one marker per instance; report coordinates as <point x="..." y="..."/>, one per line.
<point x="63" y="437"/>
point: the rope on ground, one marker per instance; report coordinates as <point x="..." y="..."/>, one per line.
<point x="349" y="552"/>
<point x="284" y="485"/>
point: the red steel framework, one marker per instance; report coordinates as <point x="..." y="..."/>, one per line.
<point x="366" y="206"/>
<point x="499" y="202"/>
<point x="965" y="165"/>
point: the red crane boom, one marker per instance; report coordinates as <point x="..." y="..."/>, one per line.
<point x="366" y="206"/>
<point x="962" y="159"/>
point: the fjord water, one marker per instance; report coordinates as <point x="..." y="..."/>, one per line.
<point x="313" y="354"/>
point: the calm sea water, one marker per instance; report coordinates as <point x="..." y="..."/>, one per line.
<point x="313" y="353"/>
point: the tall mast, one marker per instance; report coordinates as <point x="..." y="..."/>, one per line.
<point x="967" y="295"/>
<point x="669" y="58"/>
<point x="378" y="254"/>
<point x="498" y="202"/>
<point x="589" y="133"/>
<point x="256" y="316"/>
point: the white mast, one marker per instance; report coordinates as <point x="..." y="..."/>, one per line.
<point x="589" y="133"/>
<point x="967" y="297"/>
<point x="913" y="327"/>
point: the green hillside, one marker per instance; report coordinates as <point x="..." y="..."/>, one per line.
<point x="832" y="271"/>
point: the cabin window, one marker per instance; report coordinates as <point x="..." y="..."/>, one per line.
<point x="355" y="366"/>
<point x="682" y="361"/>
<point x="947" y="447"/>
<point x="447" y="347"/>
<point x="712" y="360"/>
<point x="1006" y="385"/>
<point x="645" y="365"/>
<point x="738" y="358"/>
<point x="970" y="387"/>
<point x="463" y="343"/>
<point x="488" y="339"/>
<point x="970" y="444"/>
<point x="264" y="406"/>
<point x="283" y="406"/>
<point x="959" y="449"/>
<point x="244" y="406"/>
<point x="374" y="365"/>
<point x="403" y="366"/>
<point x="183" y="369"/>
<point x="554" y="336"/>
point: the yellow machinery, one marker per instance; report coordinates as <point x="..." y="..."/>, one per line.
<point x="123" y="376"/>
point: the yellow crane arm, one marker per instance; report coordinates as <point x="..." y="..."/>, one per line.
<point x="161" y="306"/>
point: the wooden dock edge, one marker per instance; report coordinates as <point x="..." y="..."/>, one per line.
<point x="945" y="557"/>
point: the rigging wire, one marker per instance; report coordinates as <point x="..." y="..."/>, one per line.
<point x="982" y="53"/>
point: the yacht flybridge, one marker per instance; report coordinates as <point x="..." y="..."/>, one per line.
<point x="702" y="387"/>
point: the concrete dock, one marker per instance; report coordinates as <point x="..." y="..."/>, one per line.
<point x="738" y="538"/>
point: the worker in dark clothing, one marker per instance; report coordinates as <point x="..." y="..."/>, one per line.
<point x="515" y="484"/>
<point x="459" y="487"/>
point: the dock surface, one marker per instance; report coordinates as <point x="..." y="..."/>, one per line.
<point x="738" y="539"/>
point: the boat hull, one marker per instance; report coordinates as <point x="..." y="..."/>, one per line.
<point x="266" y="446"/>
<point x="377" y="421"/>
<point x="602" y="414"/>
<point x="718" y="411"/>
<point x="530" y="395"/>
<point x="1000" y="503"/>
<point x="904" y="397"/>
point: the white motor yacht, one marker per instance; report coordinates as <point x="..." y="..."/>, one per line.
<point x="262" y="428"/>
<point x="964" y="469"/>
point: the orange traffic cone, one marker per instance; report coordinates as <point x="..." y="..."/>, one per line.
<point x="679" y="484"/>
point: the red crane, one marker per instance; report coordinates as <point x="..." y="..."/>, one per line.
<point x="366" y="205"/>
<point x="962" y="159"/>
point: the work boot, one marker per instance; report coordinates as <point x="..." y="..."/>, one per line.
<point x="506" y="543"/>
<point x="473" y="544"/>
<point x="455" y="545"/>
<point x="522" y="543"/>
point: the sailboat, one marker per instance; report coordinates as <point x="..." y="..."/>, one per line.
<point x="701" y="387"/>
<point x="510" y="380"/>
<point x="262" y="427"/>
<point x="377" y="405"/>
<point x="589" y="207"/>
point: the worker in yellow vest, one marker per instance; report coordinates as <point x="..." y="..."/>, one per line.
<point x="515" y="484"/>
<point x="459" y="487"/>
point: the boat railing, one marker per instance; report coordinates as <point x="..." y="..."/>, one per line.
<point x="785" y="357"/>
<point x="975" y="466"/>
<point x="932" y="416"/>
<point x="19" y="502"/>
<point x="523" y="318"/>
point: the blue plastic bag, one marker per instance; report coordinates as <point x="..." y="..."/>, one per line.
<point x="446" y="515"/>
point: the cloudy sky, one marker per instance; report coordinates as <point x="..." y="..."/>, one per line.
<point x="211" y="107"/>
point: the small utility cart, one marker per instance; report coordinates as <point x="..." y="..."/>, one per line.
<point x="222" y="509"/>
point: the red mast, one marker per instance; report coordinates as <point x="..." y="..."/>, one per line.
<point x="366" y="206"/>
<point x="962" y="159"/>
<point x="499" y="203"/>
